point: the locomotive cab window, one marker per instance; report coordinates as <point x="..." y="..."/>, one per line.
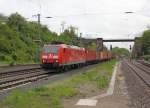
<point x="50" y="49"/>
<point x="64" y="49"/>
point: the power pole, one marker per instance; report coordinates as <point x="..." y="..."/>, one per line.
<point x="63" y="26"/>
<point x="39" y="22"/>
<point x="80" y="39"/>
<point x="38" y="39"/>
<point x="39" y="18"/>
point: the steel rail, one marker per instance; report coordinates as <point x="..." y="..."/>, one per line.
<point x="143" y="77"/>
<point x="20" y="77"/>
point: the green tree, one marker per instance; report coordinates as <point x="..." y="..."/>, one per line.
<point x="142" y="45"/>
<point x="17" y="22"/>
<point x="146" y="42"/>
<point x="17" y="37"/>
<point x="120" y="52"/>
<point x="69" y="36"/>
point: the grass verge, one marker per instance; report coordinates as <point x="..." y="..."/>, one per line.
<point x="50" y="96"/>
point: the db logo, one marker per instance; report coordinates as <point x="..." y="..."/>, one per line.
<point x="50" y="56"/>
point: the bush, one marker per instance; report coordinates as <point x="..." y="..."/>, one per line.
<point x="146" y="57"/>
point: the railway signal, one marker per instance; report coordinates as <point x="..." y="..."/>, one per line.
<point x="110" y="47"/>
<point x="130" y="47"/>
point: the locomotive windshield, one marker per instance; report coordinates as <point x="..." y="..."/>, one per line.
<point x="50" y="49"/>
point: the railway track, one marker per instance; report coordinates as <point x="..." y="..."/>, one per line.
<point x="19" y="76"/>
<point x="141" y="71"/>
<point x="144" y="63"/>
<point x="138" y="81"/>
<point x="12" y="79"/>
<point x="17" y="66"/>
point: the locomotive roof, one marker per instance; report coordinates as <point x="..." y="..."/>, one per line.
<point x="65" y="46"/>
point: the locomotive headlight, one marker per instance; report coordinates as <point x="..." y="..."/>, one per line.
<point x="44" y="56"/>
<point x="56" y="60"/>
<point x="55" y="57"/>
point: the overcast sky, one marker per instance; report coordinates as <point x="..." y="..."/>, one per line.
<point x="94" y="18"/>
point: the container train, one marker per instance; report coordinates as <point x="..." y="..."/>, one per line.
<point x="62" y="56"/>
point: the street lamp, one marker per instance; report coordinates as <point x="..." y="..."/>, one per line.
<point x="48" y="17"/>
<point x="128" y="12"/>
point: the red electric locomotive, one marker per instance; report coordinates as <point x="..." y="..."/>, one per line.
<point x="62" y="56"/>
